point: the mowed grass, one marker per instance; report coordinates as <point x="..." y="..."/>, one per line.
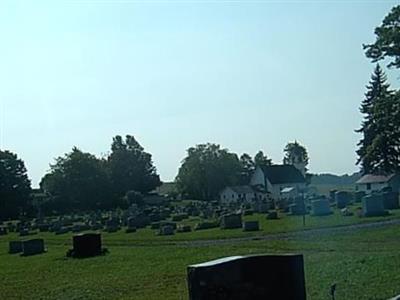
<point x="364" y="263"/>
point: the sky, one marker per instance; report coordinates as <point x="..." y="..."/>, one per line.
<point x="248" y="75"/>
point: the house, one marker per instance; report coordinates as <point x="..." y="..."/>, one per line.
<point x="237" y="194"/>
<point x="276" y="179"/>
<point x="369" y="183"/>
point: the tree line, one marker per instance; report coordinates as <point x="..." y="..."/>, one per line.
<point x="80" y="181"/>
<point x="379" y="148"/>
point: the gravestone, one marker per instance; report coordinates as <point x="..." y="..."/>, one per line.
<point x="184" y="228"/>
<point x="251" y="226"/>
<point x="86" y="245"/>
<point x="14" y="247"/>
<point x="32" y="247"/>
<point x="3" y="231"/>
<point x="342" y="199"/>
<point x="320" y="207"/>
<point x="44" y="227"/>
<point x="298" y="207"/>
<point x="23" y="232"/>
<point x="257" y="277"/>
<point x="166" y="230"/>
<point x="272" y="215"/>
<point x="372" y="206"/>
<point x="358" y="196"/>
<point x="231" y="221"/>
<point x="390" y="200"/>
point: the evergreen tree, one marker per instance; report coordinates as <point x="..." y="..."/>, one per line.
<point x="378" y="150"/>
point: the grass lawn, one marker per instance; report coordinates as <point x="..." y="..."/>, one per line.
<point x="364" y="263"/>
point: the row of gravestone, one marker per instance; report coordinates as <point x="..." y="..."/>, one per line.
<point x="84" y="245"/>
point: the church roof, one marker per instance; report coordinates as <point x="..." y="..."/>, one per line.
<point x="281" y="174"/>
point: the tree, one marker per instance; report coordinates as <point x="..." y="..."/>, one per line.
<point x="262" y="160"/>
<point x="295" y="154"/>
<point x="131" y="168"/>
<point x="206" y="170"/>
<point x="15" y="186"/>
<point x="133" y="197"/>
<point x="247" y="168"/>
<point x="378" y="148"/>
<point x="78" y="180"/>
<point x="387" y="44"/>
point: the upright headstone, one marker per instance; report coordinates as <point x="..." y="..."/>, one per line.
<point x="342" y="199"/>
<point x="372" y="206"/>
<point x="257" y="277"/>
<point x="251" y="226"/>
<point x="390" y="200"/>
<point x="32" y="247"/>
<point x="320" y="207"/>
<point x="86" y="245"/>
<point x="166" y="230"/>
<point x="3" y="231"/>
<point x="231" y="221"/>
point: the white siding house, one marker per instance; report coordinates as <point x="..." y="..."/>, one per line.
<point x="370" y="183"/>
<point x="237" y="194"/>
<point x="275" y="178"/>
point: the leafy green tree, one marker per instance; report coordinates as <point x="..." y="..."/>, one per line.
<point x="133" y="197"/>
<point x="262" y="160"/>
<point x="378" y="148"/>
<point x="387" y="44"/>
<point x="77" y="181"/>
<point x="247" y="168"/>
<point x="295" y="154"/>
<point x="15" y="186"/>
<point x="206" y="170"/>
<point x="131" y="168"/>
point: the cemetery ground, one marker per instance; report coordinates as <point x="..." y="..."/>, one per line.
<point x="363" y="262"/>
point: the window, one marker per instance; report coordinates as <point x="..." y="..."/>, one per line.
<point x="368" y="186"/>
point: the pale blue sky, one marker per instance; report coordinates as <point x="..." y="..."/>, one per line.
<point x="248" y="75"/>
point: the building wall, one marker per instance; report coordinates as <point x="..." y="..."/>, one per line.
<point x="369" y="188"/>
<point x="228" y="196"/>
<point x="258" y="177"/>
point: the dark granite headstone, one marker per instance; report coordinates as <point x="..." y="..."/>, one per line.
<point x="3" y="231"/>
<point x="231" y="221"/>
<point x="32" y="247"/>
<point x="342" y="199"/>
<point x="390" y="200"/>
<point x="257" y="277"/>
<point x="86" y="245"/>
<point x="251" y="226"/>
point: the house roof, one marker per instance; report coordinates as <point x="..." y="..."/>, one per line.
<point x="370" y="178"/>
<point x="242" y="189"/>
<point x="279" y="174"/>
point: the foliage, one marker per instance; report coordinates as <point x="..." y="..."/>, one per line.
<point x="387" y="44"/>
<point x="262" y="160"/>
<point x="78" y="180"/>
<point x="206" y="170"/>
<point x="131" y="168"/>
<point x="295" y="154"/>
<point x="247" y="168"/>
<point x="133" y="197"/>
<point x="379" y="148"/>
<point x="15" y="187"/>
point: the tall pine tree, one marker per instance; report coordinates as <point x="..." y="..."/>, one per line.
<point x="378" y="151"/>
